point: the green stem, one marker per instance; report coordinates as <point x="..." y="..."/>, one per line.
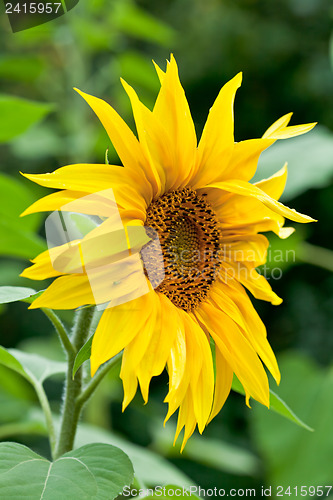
<point x="71" y="412"/>
<point x="44" y="402"/>
<point x="60" y="329"/>
<point x="317" y="256"/>
<point x="94" y="382"/>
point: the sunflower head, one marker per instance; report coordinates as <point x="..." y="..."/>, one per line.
<point x="175" y="248"/>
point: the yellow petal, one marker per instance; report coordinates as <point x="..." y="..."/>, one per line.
<point x="158" y="351"/>
<point x="217" y="140"/>
<point x="101" y="203"/>
<point x="281" y="123"/>
<point x="172" y="110"/>
<point x="244" y="161"/>
<point x="126" y="144"/>
<point x="117" y="328"/>
<point x="186" y="418"/>
<point x="294" y="131"/>
<point x="41" y="269"/>
<point x="233" y="300"/>
<point x="224" y="375"/>
<point x="248" y="247"/>
<point x="246" y="189"/>
<point x="153" y="139"/>
<point x="275" y="184"/>
<point x="66" y="292"/>
<point x="131" y="190"/>
<point x="236" y="349"/>
<point x="246" y="274"/>
<point x="202" y="383"/>
<point x="160" y="72"/>
<point x="136" y="350"/>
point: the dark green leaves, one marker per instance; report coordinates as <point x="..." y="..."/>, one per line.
<point x="95" y="471"/>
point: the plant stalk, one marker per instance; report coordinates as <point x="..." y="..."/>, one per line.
<point x="60" y="329"/>
<point x="95" y="381"/>
<point x="71" y="411"/>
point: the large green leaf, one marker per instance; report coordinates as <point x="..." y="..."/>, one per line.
<point x="15" y="293"/>
<point x="17" y="115"/>
<point x="95" y="471"/>
<point x="149" y="467"/>
<point x="310" y="161"/>
<point x="31" y="366"/>
<point x="276" y="404"/>
<point x="291" y="455"/>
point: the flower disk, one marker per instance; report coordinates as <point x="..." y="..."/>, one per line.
<point x="177" y="246"/>
<point x="189" y="234"/>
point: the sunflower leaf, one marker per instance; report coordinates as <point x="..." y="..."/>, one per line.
<point x="96" y="471"/>
<point x="14" y="293"/>
<point x="149" y="467"/>
<point x="32" y="367"/>
<point x="276" y="404"/>
<point x="82" y="355"/>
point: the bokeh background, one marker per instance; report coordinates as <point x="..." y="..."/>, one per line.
<point x="285" y="50"/>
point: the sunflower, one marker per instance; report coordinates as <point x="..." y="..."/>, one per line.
<point x="197" y="319"/>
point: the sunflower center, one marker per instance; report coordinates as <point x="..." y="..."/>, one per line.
<point x="189" y="237"/>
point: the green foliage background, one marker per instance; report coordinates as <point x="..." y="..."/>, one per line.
<point x="285" y="50"/>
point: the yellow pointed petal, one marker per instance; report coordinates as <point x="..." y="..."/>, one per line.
<point x="66" y="292"/>
<point x="136" y="350"/>
<point x="275" y="184"/>
<point x="246" y="189"/>
<point x="158" y="350"/>
<point x="131" y="191"/>
<point x="244" y="161"/>
<point x="117" y="328"/>
<point x="217" y="140"/>
<point x="247" y="247"/>
<point x="233" y="300"/>
<point x="236" y="349"/>
<point x="172" y="110"/>
<point x="126" y="144"/>
<point x="160" y="72"/>
<point x="64" y="200"/>
<point x="246" y="274"/>
<point x="224" y="375"/>
<point x="294" y="131"/>
<point x="153" y="139"/>
<point x="200" y="367"/>
<point x="281" y="123"/>
<point x="41" y="269"/>
<point x="130" y="384"/>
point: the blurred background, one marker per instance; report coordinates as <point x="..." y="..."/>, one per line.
<point x="285" y="50"/>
